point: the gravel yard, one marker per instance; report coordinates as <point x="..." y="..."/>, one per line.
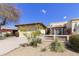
<point x="30" y="51"/>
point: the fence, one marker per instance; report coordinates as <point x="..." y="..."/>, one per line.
<point x="60" y="37"/>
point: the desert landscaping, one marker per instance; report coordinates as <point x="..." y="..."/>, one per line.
<point x="25" y="32"/>
<point x="31" y="51"/>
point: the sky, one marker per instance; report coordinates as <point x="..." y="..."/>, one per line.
<point x="46" y="13"/>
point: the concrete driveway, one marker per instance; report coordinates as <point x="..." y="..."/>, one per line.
<point x="10" y="43"/>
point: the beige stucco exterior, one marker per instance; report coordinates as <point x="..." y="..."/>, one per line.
<point x="29" y="28"/>
<point x="21" y="33"/>
<point x="72" y="26"/>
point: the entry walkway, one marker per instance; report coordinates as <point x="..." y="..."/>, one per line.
<point x="10" y="43"/>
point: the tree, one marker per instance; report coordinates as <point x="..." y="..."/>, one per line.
<point x="8" y="12"/>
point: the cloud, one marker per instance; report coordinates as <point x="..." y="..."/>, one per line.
<point x="65" y="17"/>
<point x="44" y="11"/>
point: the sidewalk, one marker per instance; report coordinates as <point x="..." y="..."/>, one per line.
<point x="11" y="43"/>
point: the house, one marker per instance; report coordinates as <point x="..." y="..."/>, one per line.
<point x="29" y="28"/>
<point x="57" y="28"/>
<point x="7" y="30"/>
<point x="73" y="26"/>
<point x="64" y="28"/>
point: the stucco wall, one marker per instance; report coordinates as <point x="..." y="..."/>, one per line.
<point x="71" y="25"/>
<point x="21" y="33"/>
<point x="75" y="27"/>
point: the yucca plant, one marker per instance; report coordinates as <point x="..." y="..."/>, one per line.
<point x="57" y="46"/>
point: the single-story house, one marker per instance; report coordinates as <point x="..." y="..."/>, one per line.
<point x="64" y="28"/>
<point x="29" y="28"/>
<point x="7" y="30"/>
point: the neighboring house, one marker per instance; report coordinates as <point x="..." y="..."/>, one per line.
<point x="64" y="28"/>
<point x="29" y="28"/>
<point x="57" y="28"/>
<point x="5" y="30"/>
<point x="73" y="25"/>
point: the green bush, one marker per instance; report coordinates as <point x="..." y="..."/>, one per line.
<point x="39" y="40"/>
<point x="33" y="42"/>
<point x="35" y="34"/>
<point x="74" y="42"/>
<point x="57" y="46"/>
<point x="7" y="35"/>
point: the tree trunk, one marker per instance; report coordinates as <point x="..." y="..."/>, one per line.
<point x="0" y="32"/>
<point x="3" y="23"/>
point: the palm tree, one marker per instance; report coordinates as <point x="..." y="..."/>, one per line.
<point x="8" y="13"/>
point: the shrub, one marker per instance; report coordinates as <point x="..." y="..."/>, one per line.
<point x="57" y="46"/>
<point x="7" y="34"/>
<point x="33" y="42"/>
<point x="35" y="34"/>
<point x="25" y="34"/>
<point x="28" y="37"/>
<point x="39" y="40"/>
<point x="74" y="42"/>
<point x="43" y="50"/>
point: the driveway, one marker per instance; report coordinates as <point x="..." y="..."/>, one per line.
<point x="10" y="44"/>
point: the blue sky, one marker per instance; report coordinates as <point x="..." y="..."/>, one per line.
<point x="47" y="13"/>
